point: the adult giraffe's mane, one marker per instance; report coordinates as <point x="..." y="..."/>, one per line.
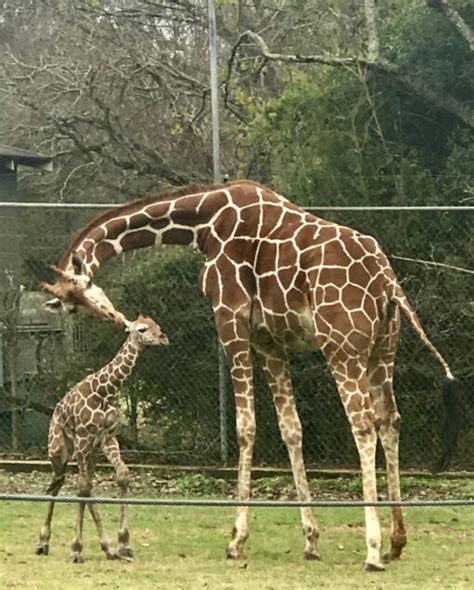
<point x="126" y="208"/>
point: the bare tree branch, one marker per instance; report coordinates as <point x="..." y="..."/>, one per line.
<point x="437" y="99"/>
<point x="444" y="8"/>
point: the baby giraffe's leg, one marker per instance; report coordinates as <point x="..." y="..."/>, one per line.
<point x="58" y="456"/>
<point x="94" y="510"/>
<point x="112" y="452"/>
<point x="84" y="491"/>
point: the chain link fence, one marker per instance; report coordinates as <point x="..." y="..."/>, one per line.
<point x="170" y="406"/>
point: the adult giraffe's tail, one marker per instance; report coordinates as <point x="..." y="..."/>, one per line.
<point x="454" y="415"/>
<point x="398" y="296"/>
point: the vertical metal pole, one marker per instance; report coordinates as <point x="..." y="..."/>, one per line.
<point x="216" y="158"/>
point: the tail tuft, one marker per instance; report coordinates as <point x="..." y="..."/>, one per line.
<point x="454" y="420"/>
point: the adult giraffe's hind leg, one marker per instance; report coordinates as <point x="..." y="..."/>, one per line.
<point x="351" y="377"/>
<point x="380" y="372"/>
<point x="276" y="368"/>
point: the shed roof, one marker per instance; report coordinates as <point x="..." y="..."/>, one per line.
<point x="23" y="157"/>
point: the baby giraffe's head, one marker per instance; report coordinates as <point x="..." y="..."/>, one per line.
<point x="146" y="332"/>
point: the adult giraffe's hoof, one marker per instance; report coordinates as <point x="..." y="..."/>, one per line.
<point x="390" y="556"/>
<point x="395" y="551"/>
<point x="373" y="567"/>
<point x="42" y="550"/>
<point x="311" y="556"/>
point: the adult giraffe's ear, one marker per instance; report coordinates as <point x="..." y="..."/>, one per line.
<point x="78" y="264"/>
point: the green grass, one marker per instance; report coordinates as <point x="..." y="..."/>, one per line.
<point x="179" y="547"/>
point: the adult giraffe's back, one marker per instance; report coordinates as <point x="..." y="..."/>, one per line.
<point x="279" y="279"/>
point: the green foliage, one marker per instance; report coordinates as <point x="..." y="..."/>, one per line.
<point x="341" y="137"/>
<point x="196" y="484"/>
<point x="424" y="43"/>
<point x="327" y="139"/>
<point x="176" y="385"/>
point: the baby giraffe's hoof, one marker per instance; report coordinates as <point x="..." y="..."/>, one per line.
<point x="76" y="558"/>
<point x="232" y="553"/>
<point x="311" y="556"/>
<point x="42" y="550"/>
<point x="125" y="553"/>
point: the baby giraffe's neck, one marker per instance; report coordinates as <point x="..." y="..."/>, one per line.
<point x="114" y="373"/>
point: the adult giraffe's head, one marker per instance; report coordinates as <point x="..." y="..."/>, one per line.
<point x="74" y="287"/>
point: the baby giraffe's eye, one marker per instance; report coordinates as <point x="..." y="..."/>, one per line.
<point x="142" y="329"/>
<point x="89" y="284"/>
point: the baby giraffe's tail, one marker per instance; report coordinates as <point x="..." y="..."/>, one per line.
<point x="454" y="408"/>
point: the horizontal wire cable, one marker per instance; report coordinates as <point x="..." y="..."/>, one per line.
<point x="34" y="205"/>
<point x="390" y="208"/>
<point x="433" y="263"/>
<point x="220" y="503"/>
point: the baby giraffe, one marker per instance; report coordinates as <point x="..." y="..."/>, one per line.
<point x="85" y="421"/>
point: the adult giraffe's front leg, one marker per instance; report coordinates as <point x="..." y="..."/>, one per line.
<point x="276" y="368"/>
<point x="233" y="332"/>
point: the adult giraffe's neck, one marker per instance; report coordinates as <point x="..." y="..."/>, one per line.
<point x="145" y="223"/>
<point x="114" y="373"/>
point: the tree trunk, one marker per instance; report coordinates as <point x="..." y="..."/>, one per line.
<point x="371" y="23"/>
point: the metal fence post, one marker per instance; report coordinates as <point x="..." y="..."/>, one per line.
<point x="224" y="444"/>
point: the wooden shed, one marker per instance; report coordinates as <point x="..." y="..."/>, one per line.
<point x="11" y="158"/>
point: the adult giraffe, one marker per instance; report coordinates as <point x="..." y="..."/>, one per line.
<point x="279" y="280"/>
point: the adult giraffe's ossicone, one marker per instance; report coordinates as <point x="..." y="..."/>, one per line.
<point x="279" y="279"/>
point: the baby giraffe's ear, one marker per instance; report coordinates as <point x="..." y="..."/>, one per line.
<point x="128" y="326"/>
